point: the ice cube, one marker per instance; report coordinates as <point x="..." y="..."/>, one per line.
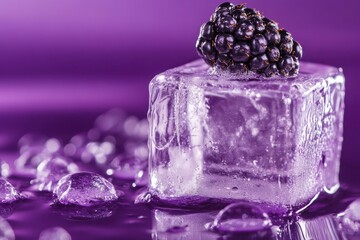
<point x="228" y="137"/>
<point x="51" y="170"/>
<point x="85" y="189"/>
<point x="8" y="193"/>
<point x="55" y="233"/>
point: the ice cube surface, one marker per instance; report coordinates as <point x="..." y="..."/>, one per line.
<point x="85" y="189"/>
<point x="223" y="136"/>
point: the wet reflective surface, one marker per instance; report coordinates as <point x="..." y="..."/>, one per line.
<point x="37" y="213"/>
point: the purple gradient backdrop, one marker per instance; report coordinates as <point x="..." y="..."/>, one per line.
<point x="60" y="58"/>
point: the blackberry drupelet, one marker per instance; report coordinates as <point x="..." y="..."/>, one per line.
<point x="240" y="39"/>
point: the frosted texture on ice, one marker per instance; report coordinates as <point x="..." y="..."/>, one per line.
<point x="8" y="193"/>
<point x="227" y="136"/>
<point x="85" y="189"/>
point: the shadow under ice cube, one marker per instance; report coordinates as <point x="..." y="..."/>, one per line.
<point x="219" y="136"/>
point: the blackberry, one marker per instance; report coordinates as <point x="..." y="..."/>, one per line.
<point x="271" y="70"/>
<point x="207" y="31"/>
<point x="240" y="39"/>
<point x="258" y="44"/>
<point x="259" y="62"/>
<point x="241" y="52"/>
<point x="227" y="24"/>
<point x="245" y="31"/>
<point x="224" y="43"/>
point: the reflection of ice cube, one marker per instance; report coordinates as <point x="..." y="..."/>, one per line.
<point x="189" y="226"/>
<point x="276" y="141"/>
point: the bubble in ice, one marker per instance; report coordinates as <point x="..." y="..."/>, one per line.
<point x="51" y="170"/>
<point x="6" y="232"/>
<point x="8" y="193"/>
<point x="241" y="217"/>
<point x="55" y="233"/>
<point x="85" y="189"/>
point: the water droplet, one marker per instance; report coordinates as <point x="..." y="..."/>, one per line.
<point x="241" y="217"/>
<point x="8" y="193"/>
<point x="51" y="170"/>
<point x="6" y="232"/>
<point x="55" y="233"/>
<point x="85" y="189"/>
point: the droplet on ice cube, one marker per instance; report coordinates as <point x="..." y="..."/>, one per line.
<point x="85" y="189"/>
<point x="8" y="193"/>
<point x="241" y="217"/>
<point x="51" y="170"/>
<point x="55" y="233"/>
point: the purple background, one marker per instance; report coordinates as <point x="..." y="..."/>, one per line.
<point x="64" y="62"/>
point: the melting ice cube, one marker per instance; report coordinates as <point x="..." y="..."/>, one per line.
<point x="277" y="141"/>
<point x="85" y="189"/>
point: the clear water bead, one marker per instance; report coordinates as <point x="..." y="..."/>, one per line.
<point x="51" y="170"/>
<point x="85" y="189"/>
<point x="55" y="233"/>
<point x="8" y="193"/>
<point x="6" y="232"/>
<point x="241" y="217"/>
